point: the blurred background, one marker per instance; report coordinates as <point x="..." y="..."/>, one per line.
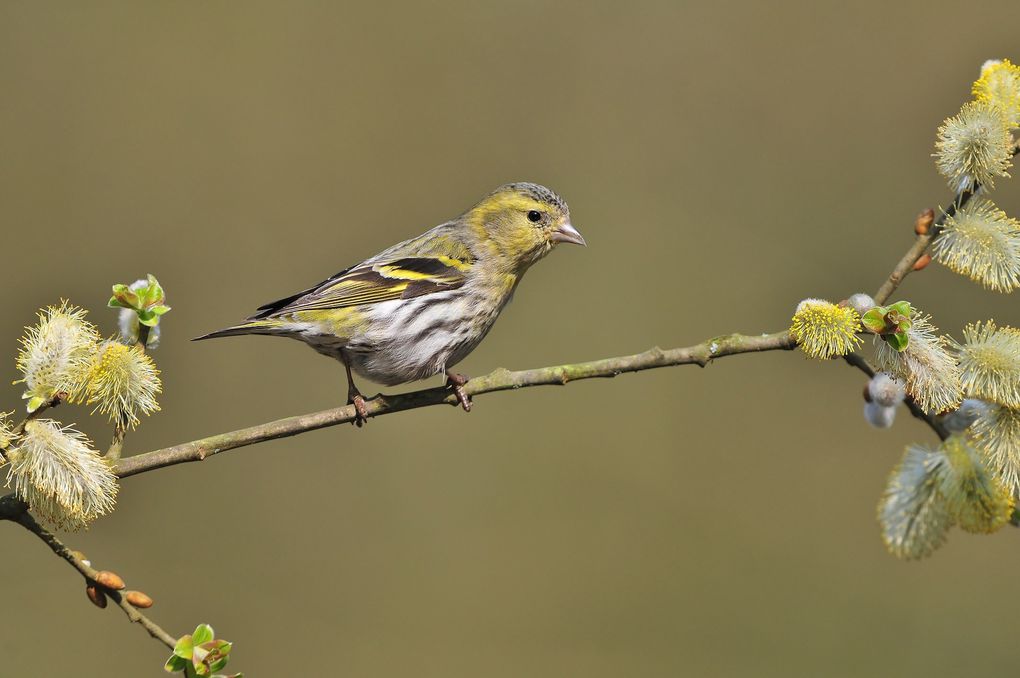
<point x="723" y="162"/>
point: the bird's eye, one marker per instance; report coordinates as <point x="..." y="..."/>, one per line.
<point x="534" y="216"/>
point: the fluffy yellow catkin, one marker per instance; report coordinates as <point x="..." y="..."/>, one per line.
<point x="55" y="353"/>
<point x="997" y="434"/>
<point x="982" y="243"/>
<point x="999" y="84"/>
<point x="912" y="512"/>
<point x="931" y="374"/>
<point x="974" y="147"/>
<point x="55" y="471"/>
<point x="122" y="381"/>
<point x="823" y="329"/>
<point x="989" y="359"/>
<point x="975" y="496"/>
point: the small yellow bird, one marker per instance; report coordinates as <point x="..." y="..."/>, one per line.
<point x="418" y="308"/>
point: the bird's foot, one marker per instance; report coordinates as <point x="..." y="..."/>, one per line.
<point x="456" y="382"/>
<point x="360" y="408"/>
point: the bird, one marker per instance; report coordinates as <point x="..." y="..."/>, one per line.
<point x="418" y="308"/>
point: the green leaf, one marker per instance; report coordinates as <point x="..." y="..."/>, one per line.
<point x="185" y="647"/>
<point x="124" y="294"/>
<point x="160" y="309"/>
<point x="874" y="320"/>
<point x="203" y="634"/>
<point x="148" y="318"/>
<point x="898" y="340"/>
<point x="114" y="302"/>
<point x="155" y="290"/>
<point x="901" y="307"/>
<point x="175" y="663"/>
<point x="217" y="664"/>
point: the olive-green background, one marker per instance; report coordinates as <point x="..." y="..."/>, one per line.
<point x="723" y="163"/>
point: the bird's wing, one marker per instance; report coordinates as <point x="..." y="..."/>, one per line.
<point x="374" y="281"/>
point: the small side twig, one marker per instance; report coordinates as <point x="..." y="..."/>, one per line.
<point x="26" y="520"/>
<point x="19" y="429"/>
<point x="116" y="448"/>
<point x="933" y="421"/>
<point x="906" y="264"/>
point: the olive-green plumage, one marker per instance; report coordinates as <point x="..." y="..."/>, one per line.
<point x="418" y="308"/>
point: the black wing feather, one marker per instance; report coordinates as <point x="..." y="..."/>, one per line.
<point x="379" y="275"/>
<point x="266" y="310"/>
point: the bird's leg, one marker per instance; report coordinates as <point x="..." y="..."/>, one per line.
<point x="456" y="382"/>
<point x="355" y="398"/>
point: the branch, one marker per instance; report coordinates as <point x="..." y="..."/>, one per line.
<point x="117" y="442"/>
<point x="499" y="380"/>
<point x="12" y="508"/>
<point x="906" y="264"/>
<point x="8" y="505"/>
<point x="861" y="363"/>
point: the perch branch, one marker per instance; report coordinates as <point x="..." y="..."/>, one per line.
<point x="499" y="380"/>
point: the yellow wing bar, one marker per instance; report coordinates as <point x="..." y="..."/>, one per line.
<point x="382" y="281"/>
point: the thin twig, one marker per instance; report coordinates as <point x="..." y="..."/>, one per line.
<point x="26" y="520"/>
<point x="906" y="263"/>
<point x="117" y="443"/>
<point x="499" y="380"/>
<point x="861" y="363"/>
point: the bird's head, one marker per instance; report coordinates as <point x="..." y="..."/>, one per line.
<point x="522" y="222"/>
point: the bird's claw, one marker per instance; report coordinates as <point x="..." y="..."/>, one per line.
<point x="360" y="408"/>
<point x="456" y="382"/>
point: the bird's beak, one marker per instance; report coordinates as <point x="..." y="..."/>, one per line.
<point x="567" y="233"/>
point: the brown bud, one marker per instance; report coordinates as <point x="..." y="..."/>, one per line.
<point x="138" y="599"/>
<point x="924" y="221"/>
<point x="96" y="595"/>
<point x="110" y="580"/>
<point x="923" y="261"/>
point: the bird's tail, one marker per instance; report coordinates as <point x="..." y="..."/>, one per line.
<point x="250" y="327"/>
